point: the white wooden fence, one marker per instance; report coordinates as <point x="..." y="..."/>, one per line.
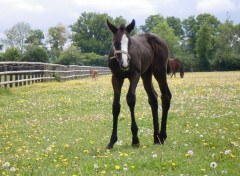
<point x="23" y="73"/>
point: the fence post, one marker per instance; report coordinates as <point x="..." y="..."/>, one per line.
<point x="29" y="75"/>
<point x="5" y="76"/>
<point x="11" y="76"/>
<point x="32" y="73"/>
<point x="16" y="76"/>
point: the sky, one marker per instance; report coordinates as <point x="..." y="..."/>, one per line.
<point x="43" y="14"/>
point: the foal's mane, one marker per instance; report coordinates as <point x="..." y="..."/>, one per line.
<point x="122" y="27"/>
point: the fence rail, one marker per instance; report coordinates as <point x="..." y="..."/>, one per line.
<point x="23" y="73"/>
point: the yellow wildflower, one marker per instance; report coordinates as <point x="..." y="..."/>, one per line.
<point x="103" y="172"/>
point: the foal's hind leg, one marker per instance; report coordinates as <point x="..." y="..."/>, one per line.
<point x="161" y="78"/>
<point x="152" y="100"/>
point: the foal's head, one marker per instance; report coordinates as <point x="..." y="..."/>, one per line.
<point x="121" y="43"/>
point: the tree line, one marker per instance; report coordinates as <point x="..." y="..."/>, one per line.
<point x="202" y="43"/>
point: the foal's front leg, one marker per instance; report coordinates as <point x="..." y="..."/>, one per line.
<point x="117" y="86"/>
<point x="131" y="101"/>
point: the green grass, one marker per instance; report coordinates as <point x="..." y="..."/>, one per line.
<point x="63" y="128"/>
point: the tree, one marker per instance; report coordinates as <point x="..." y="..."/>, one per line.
<point x="71" y="56"/>
<point x="226" y="57"/>
<point x="203" y="48"/>
<point x="11" y="54"/>
<point x="190" y="27"/>
<point x="35" y="37"/>
<point x="35" y="53"/>
<point x="17" y="35"/>
<point x="151" y="22"/>
<point x="90" y="33"/>
<point x="166" y="33"/>
<point x="209" y="19"/>
<point x="213" y="24"/>
<point x="176" y="25"/>
<point x="236" y="40"/>
<point x="58" y="36"/>
<point x="93" y="59"/>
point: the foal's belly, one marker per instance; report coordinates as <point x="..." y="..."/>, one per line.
<point x="146" y="61"/>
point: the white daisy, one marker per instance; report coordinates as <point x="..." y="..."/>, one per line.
<point x="213" y="164"/>
<point x="190" y="152"/>
<point x="12" y="169"/>
<point x="6" y="164"/>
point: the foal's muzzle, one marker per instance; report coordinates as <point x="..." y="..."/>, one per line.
<point x="124" y="68"/>
<point x="123" y="65"/>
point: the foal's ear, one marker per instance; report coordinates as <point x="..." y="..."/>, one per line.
<point x="130" y="27"/>
<point x="111" y="27"/>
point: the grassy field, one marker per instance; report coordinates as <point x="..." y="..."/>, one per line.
<point x="63" y="129"/>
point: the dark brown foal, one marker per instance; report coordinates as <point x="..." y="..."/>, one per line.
<point x="142" y="55"/>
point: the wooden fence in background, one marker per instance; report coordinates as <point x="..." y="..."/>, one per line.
<point x="25" y="73"/>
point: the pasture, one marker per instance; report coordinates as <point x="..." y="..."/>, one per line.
<point x="63" y="128"/>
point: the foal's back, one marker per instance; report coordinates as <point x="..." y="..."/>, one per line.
<point x="148" y="48"/>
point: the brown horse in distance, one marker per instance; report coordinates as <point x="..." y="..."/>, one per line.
<point x="175" y="65"/>
<point x="94" y="74"/>
<point x="132" y="58"/>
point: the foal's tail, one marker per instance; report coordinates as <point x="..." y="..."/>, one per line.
<point x="168" y="68"/>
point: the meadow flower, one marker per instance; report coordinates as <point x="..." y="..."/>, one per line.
<point x="12" y="169"/>
<point x="117" y="167"/>
<point x="95" y="166"/>
<point x="66" y="145"/>
<point x="119" y="142"/>
<point x="213" y="164"/>
<point x="103" y="172"/>
<point x="190" y="152"/>
<point x="224" y="172"/>
<point x="173" y="164"/>
<point x="154" y="155"/>
<point x="6" y="164"/>
<point x="227" y="152"/>
<point x="49" y="148"/>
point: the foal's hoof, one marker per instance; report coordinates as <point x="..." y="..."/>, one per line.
<point x="136" y="145"/>
<point x="109" y="146"/>
<point x="159" y="142"/>
<point x="160" y="139"/>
